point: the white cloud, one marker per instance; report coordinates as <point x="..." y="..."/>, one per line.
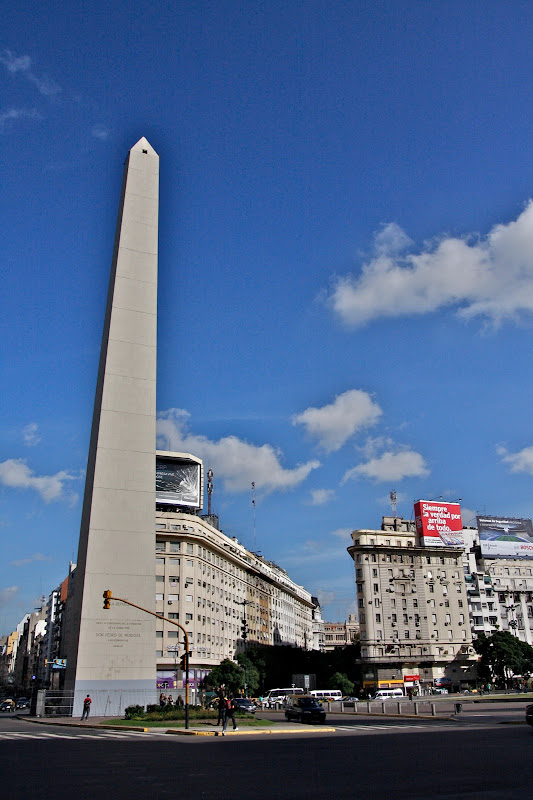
<point x="15" y="474"/>
<point x="490" y="277"/>
<point x="519" y="462"/>
<point x="387" y="461"/>
<point x="7" y="117"/>
<point x="31" y="434"/>
<point x="100" y="132"/>
<point x="321" y="496"/>
<point x="22" y="64"/>
<point x="344" y="534"/>
<point x="7" y="594"/>
<point x="335" y="423"/>
<point x="23" y="562"/>
<point x="468" y="516"/>
<point x="233" y="460"/>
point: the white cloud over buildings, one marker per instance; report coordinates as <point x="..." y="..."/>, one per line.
<point x="333" y="424"/>
<point x="233" y="460"/>
<point x="490" y="276"/>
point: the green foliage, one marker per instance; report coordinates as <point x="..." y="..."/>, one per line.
<point x="342" y="682"/>
<point x="134" y="712"/>
<point x="227" y="674"/>
<point x="276" y="665"/>
<point x="195" y="712"/>
<point x="251" y="673"/>
<point x="503" y="655"/>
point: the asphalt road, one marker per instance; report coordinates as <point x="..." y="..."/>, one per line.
<point x="478" y="760"/>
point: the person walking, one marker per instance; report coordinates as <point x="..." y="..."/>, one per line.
<point x="229" y="713"/>
<point x="221" y="701"/>
<point x="86" y="708"/>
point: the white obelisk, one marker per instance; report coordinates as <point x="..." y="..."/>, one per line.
<point x="111" y="654"/>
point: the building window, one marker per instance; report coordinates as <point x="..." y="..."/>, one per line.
<point x="190" y="549"/>
<point x="172" y="634"/>
<point x="159" y="598"/>
<point x="376" y="588"/>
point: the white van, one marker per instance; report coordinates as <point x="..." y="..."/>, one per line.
<point x="276" y="697"/>
<point x="386" y="694"/>
<point x="333" y="695"/>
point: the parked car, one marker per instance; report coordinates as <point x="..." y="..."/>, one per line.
<point x="23" y="702"/>
<point x="350" y="700"/>
<point x="244" y="704"/>
<point x="304" y="709"/>
<point x="529" y="714"/>
<point x="7" y="705"/>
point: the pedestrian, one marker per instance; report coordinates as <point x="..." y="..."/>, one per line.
<point x="162" y="700"/>
<point x="86" y="708"/>
<point x="170" y="702"/>
<point x="229" y="713"/>
<point x="179" y="701"/>
<point x="220" y="705"/>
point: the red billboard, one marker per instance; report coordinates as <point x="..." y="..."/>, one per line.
<point x="438" y="523"/>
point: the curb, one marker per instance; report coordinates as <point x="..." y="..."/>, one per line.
<point x="253" y="732"/>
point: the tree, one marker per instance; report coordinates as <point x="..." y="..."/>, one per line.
<point x="250" y="672"/>
<point x="227" y="673"/>
<point x="342" y="682"/>
<point x="503" y="655"/>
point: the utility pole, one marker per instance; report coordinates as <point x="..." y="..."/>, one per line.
<point x="244" y="635"/>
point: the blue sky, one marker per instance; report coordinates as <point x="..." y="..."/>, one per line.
<point x="346" y="263"/>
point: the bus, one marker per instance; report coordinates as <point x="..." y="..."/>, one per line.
<point x="332" y="695"/>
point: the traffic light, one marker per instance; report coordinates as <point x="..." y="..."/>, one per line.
<point x="183" y="662"/>
<point x="107" y="599"/>
<point x="244" y="629"/>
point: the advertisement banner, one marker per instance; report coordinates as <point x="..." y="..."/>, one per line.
<point x="177" y="484"/>
<point x="505" y="537"/>
<point x="439" y="524"/>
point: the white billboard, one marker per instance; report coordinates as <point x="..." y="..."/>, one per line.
<point x="505" y="537"/>
<point x="177" y="483"/>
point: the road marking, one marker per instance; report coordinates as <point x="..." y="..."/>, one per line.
<point x="42" y="735"/>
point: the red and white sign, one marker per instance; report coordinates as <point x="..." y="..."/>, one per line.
<point x="411" y="678"/>
<point x="439" y="523"/>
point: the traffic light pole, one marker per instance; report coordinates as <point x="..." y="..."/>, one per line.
<point x="244" y="634"/>
<point x="107" y="602"/>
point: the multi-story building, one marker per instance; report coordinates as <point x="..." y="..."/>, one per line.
<point x="341" y="634"/>
<point x="210" y="583"/>
<point x="499" y="590"/>
<point x="7" y="657"/>
<point x="413" y="609"/>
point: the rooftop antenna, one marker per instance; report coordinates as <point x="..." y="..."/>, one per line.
<point x="392" y="496"/>
<point x="209" y="490"/>
<point x="253" y="512"/>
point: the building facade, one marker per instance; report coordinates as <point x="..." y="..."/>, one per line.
<point x="413" y="610"/>
<point x="210" y="583"/>
<point x="499" y="590"/>
<point x="341" y="634"/>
